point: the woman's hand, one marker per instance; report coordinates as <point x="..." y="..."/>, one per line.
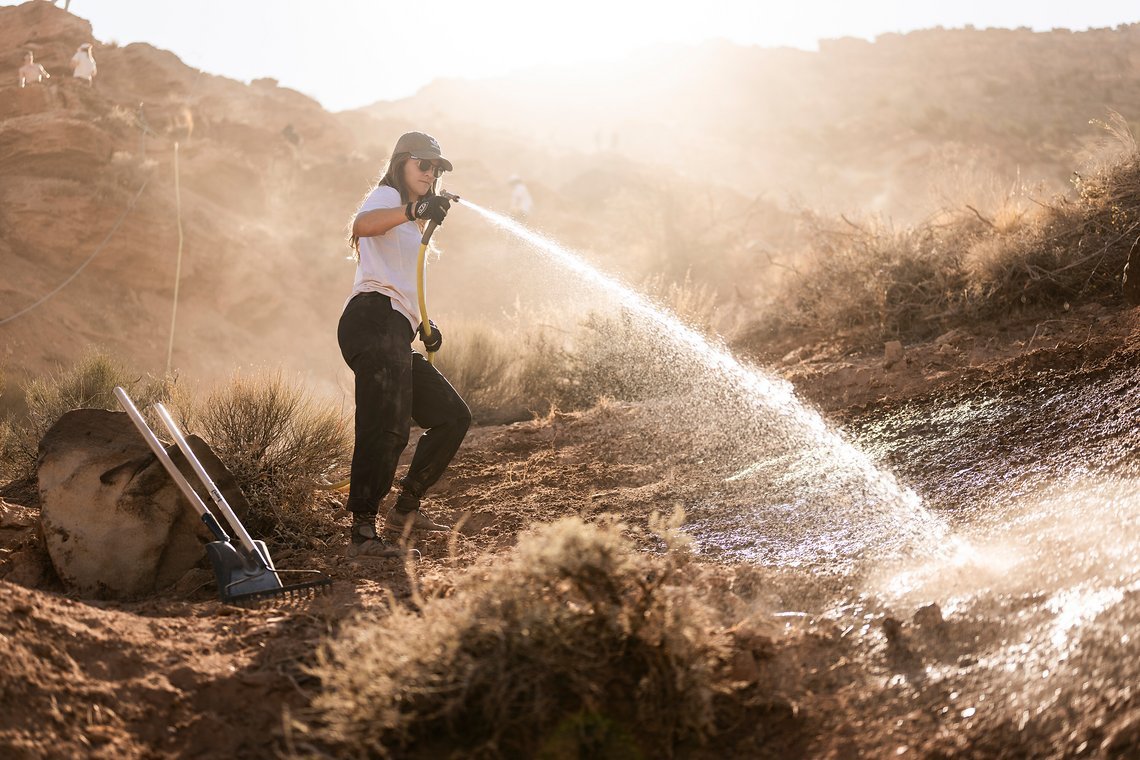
<point x="433" y="343"/>
<point x="433" y="207"/>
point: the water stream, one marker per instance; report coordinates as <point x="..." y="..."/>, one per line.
<point x="781" y="486"/>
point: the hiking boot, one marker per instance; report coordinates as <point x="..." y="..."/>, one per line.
<point x="365" y="541"/>
<point x="406" y="516"/>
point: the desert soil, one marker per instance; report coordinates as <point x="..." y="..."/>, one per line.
<point x="850" y="669"/>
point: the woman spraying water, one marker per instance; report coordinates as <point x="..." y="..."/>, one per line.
<point x="395" y="384"/>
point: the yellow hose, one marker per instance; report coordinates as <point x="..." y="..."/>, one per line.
<point x="420" y="266"/>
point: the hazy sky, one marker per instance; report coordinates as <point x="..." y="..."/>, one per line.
<point x="348" y="53"/>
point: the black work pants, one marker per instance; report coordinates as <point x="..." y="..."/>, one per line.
<point x="395" y="385"/>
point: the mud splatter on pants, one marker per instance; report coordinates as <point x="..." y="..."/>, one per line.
<point x="395" y="385"/>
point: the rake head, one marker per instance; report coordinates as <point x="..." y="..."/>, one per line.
<point x="248" y="579"/>
<point x="244" y="596"/>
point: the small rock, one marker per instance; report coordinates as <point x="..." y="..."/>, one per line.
<point x="929" y="616"/>
<point x="892" y="354"/>
<point x="14" y="516"/>
<point x="893" y="630"/>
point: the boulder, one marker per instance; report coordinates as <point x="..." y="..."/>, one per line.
<point x="114" y="522"/>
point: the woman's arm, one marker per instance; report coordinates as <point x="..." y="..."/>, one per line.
<point x="377" y="221"/>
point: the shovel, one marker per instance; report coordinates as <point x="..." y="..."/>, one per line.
<point x="243" y="569"/>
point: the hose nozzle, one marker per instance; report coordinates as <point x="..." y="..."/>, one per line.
<point x="449" y="196"/>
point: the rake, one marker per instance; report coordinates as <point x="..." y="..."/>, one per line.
<point x="243" y="568"/>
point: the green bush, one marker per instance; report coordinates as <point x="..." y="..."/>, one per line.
<point x="576" y="646"/>
<point x="278" y="444"/>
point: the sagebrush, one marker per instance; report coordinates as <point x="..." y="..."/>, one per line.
<point x="576" y="644"/>
<point x="866" y="281"/>
<point x="279" y="444"/>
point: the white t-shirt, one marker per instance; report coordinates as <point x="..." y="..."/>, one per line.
<point x="388" y="262"/>
<point x="84" y="66"/>
<point x="521" y="202"/>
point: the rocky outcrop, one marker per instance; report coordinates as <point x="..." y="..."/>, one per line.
<point x="114" y="523"/>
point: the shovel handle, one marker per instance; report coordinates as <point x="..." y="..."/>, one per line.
<point x="211" y="487"/>
<point x="168" y="464"/>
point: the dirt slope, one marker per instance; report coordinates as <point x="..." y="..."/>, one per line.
<point x="179" y="675"/>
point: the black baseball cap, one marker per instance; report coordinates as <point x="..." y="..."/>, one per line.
<point x="421" y="145"/>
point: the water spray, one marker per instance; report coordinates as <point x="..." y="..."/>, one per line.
<point x="812" y="450"/>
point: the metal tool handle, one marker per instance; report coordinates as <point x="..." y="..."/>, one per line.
<point x="168" y="464"/>
<point x="211" y="488"/>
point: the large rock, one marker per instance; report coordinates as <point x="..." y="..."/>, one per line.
<point x="115" y="524"/>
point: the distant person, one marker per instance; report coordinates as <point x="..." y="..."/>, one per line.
<point x="521" y="202"/>
<point x="32" y="72"/>
<point x="394" y="384"/>
<point x="291" y="136"/>
<point x="83" y="64"/>
<point x="144" y="127"/>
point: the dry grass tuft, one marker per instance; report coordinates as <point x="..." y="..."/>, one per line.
<point x="278" y="444"/>
<point x="88" y="384"/>
<point x="504" y="374"/>
<point x="577" y="646"/>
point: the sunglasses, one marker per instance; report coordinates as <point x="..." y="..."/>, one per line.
<point x="426" y="165"/>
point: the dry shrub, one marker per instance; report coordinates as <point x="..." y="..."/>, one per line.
<point x="9" y="469"/>
<point x="575" y="646"/>
<point x="503" y="374"/>
<point x="628" y="356"/>
<point x="872" y="280"/>
<point x="695" y="303"/>
<point x="278" y="444"/>
<point x="88" y="384"/>
<point x="530" y="364"/>
<point x="1073" y="249"/>
<point x="869" y="281"/>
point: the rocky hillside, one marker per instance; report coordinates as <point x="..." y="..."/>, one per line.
<point x="897" y="125"/>
<point x="258" y="272"/>
<point x="647" y="174"/>
<point x="267" y="181"/>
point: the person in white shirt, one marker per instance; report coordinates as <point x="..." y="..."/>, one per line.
<point x="395" y="384"/>
<point x="83" y="63"/>
<point x="32" y="72"/>
<point x="521" y="202"/>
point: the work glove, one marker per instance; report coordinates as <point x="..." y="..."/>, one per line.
<point x="433" y="343"/>
<point x="433" y="207"/>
